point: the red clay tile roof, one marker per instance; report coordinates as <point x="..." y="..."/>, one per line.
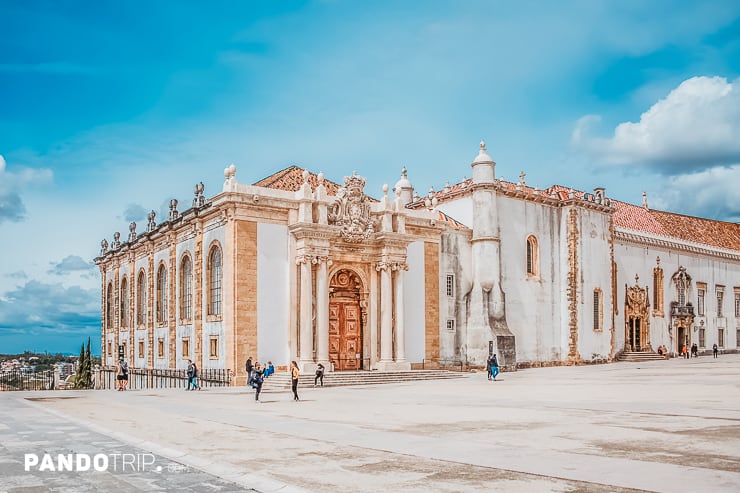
<point x="451" y="221"/>
<point x="718" y="234"/>
<point x="291" y="179"/>
<point x="709" y="232"/>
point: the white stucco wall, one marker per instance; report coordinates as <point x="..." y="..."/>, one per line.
<point x="533" y="304"/>
<point x="633" y="259"/>
<point x="273" y="294"/>
<point x="594" y="273"/>
<point x="415" y="310"/>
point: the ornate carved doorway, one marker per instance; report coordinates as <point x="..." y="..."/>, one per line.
<point x="345" y="321"/>
<point x="637" y="318"/>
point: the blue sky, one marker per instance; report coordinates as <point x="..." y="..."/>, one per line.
<point x="109" y="109"/>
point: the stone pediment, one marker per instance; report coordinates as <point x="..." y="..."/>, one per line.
<point x="351" y="211"/>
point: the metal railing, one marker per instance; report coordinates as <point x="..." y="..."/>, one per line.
<point x="23" y="380"/>
<point x="156" y="378"/>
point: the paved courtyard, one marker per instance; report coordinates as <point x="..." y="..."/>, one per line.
<point x="657" y="426"/>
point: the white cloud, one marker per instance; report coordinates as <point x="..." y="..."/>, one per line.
<point x="694" y="128"/>
<point x="711" y="193"/>
<point x="12" y="207"/>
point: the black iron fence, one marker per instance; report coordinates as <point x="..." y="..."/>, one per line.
<point x="24" y="380"/>
<point x="153" y="378"/>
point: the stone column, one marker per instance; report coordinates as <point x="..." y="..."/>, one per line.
<point x="306" y="311"/>
<point x="322" y="310"/>
<point x="386" y="315"/>
<point x="400" y="310"/>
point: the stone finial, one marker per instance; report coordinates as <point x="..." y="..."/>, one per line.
<point x="151" y="223"/>
<point x="385" y="189"/>
<point x="416" y="196"/>
<point x="434" y="202"/>
<point x="306" y="174"/>
<point x="644" y="201"/>
<point x="447" y="187"/>
<point x="116" y="240"/>
<point x="132" y="232"/>
<point x="232" y="169"/>
<point x="103" y="247"/>
<point x="431" y="191"/>
<point x="199" y="200"/>
<point x="173" y="210"/>
<point x="521" y="178"/>
<point x="427" y="202"/>
<point x="320" y="177"/>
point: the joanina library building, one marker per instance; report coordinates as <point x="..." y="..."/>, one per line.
<point x="298" y="267"/>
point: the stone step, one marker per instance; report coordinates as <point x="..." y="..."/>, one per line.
<point x="640" y="356"/>
<point x="335" y="379"/>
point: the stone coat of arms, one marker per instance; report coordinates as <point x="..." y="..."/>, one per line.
<point x="351" y="211"/>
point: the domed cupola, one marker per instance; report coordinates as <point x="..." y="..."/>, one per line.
<point x="405" y="188"/>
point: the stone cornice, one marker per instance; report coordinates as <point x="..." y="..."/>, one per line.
<point x="640" y="238"/>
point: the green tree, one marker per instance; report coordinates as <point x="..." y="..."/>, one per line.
<point x="80" y="368"/>
<point x="83" y="380"/>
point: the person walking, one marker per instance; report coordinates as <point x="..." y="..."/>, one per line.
<point x="715" y="350"/>
<point x="119" y="375"/>
<point x="249" y="367"/>
<point x="190" y="373"/>
<point x="257" y="380"/>
<point x="319" y="375"/>
<point x="195" y="377"/>
<point x="494" y="366"/>
<point x="294" y="374"/>
<point x="488" y="366"/>
<point x="124" y="370"/>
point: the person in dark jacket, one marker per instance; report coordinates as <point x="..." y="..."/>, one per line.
<point x="494" y="366"/>
<point x="249" y="367"/>
<point x="488" y="366"/>
<point x="191" y="374"/>
<point x="257" y="380"/>
<point x="319" y="375"/>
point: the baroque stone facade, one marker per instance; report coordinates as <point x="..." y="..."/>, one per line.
<point x="298" y="267"/>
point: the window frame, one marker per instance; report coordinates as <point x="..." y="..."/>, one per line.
<point x="532" y="257"/>
<point x="186" y="288"/>
<point x="598" y="310"/>
<point x="213" y="347"/>
<point x="141" y="308"/>
<point x="215" y="282"/>
<point x="125" y="303"/>
<point x="161" y="294"/>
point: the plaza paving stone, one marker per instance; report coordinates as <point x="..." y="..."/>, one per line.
<point x="655" y="426"/>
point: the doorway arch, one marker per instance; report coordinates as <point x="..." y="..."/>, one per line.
<point x="345" y="320"/>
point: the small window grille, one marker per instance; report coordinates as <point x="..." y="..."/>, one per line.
<point x="450" y="325"/>
<point x="450" y="285"/>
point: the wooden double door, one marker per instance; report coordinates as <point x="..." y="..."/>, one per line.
<point x="345" y="334"/>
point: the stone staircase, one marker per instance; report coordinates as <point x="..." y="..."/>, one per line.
<point x="281" y="380"/>
<point x="638" y="356"/>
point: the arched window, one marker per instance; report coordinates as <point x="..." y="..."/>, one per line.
<point x="533" y="257"/>
<point x="109" y="306"/>
<point x="141" y="298"/>
<point x="214" y="281"/>
<point x="186" y="287"/>
<point x="161" y="294"/>
<point x="124" y="303"/>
